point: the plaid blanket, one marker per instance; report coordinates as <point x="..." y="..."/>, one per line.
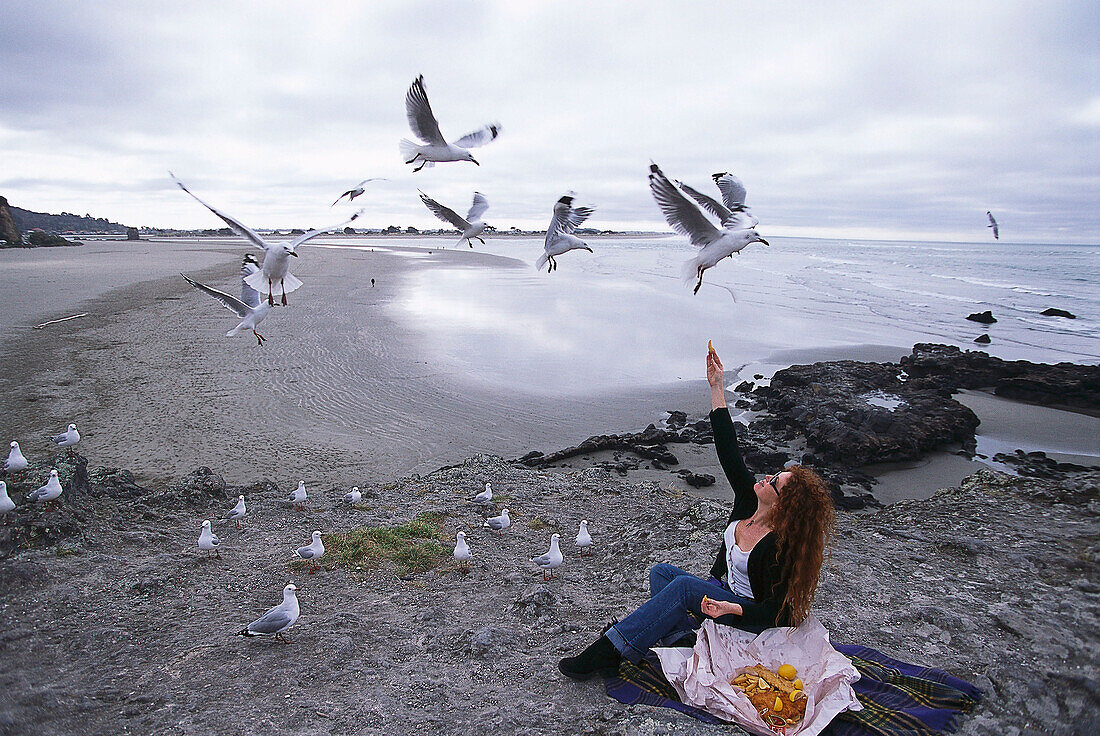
<point x="898" y="699"/>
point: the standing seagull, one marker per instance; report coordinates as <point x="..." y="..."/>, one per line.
<point x="48" y="493"/>
<point x="7" y="505"/>
<point x="426" y="128"/>
<point x="68" y="438"/>
<point x="993" y="224"/>
<point x="16" y="462"/>
<point x="237" y="512"/>
<point x="485" y="496"/>
<point x="551" y="560"/>
<point x="559" y="236"/>
<point x="207" y="540"/>
<point x="358" y="189"/>
<point x="276" y="255"/>
<point x="250" y="309"/>
<point x="298" y="496"/>
<point x="499" y="523"/>
<point x="462" y="552"/>
<point x="471" y="226"/>
<point x="584" y="540"/>
<point x="312" y="552"/>
<point x="278" y="619"/>
<point x="687" y="219"/>
<point x="353" y="496"/>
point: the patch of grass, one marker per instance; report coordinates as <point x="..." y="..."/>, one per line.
<point x="538" y="524"/>
<point x="413" y="547"/>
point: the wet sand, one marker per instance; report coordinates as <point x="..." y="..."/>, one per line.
<point x="340" y="391"/>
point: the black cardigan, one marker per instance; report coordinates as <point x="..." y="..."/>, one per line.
<point x="768" y="589"/>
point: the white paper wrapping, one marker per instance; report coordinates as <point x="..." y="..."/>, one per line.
<point x="701" y="675"/>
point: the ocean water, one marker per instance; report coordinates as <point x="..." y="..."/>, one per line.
<point x="622" y="316"/>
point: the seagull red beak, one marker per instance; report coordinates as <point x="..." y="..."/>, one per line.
<point x="294" y="253"/>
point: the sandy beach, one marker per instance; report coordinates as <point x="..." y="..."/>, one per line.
<point x="343" y="389"/>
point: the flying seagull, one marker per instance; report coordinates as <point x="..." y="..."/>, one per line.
<point x="471" y="227"/>
<point x="731" y="212"/>
<point x="687" y="219"/>
<point x="273" y="277"/>
<point x="278" y="619"/>
<point x="355" y="191"/>
<point x="426" y="128"/>
<point x="559" y="236"/>
<point x="993" y="224"/>
<point x="250" y="309"/>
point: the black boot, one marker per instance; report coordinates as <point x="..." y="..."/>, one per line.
<point x="600" y="658"/>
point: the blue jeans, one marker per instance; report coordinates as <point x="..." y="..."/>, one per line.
<point x="671" y="611"/>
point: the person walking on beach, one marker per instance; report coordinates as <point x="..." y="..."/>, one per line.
<point x="767" y="567"/>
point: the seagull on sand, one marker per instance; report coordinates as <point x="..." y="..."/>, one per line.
<point x="559" y="236"/>
<point x="356" y="190"/>
<point x="353" y="496"/>
<point x="462" y="552"/>
<point x="273" y="277"/>
<point x="471" y="227"/>
<point x="237" y="512"/>
<point x="584" y="540"/>
<point x="297" y="497"/>
<point x="993" y="224"/>
<point x="551" y="560"/>
<point x="278" y="619"/>
<point x="7" y="505"/>
<point x="499" y="523"/>
<point x="68" y="438"/>
<point x="312" y="552"/>
<point x="250" y="309"/>
<point x="48" y="493"/>
<point x="207" y="540"/>
<point x="15" y="463"/>
<point x="485" y="496"/>
<point x="687" y="219"/>
<point x="426" y="128"/>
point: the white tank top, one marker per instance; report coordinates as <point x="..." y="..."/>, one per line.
<point x="737" y="565"/>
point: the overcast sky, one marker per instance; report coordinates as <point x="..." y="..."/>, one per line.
<point x="847" y="119"/>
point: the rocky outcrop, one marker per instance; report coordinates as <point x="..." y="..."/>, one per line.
<point x="9" y="233"/>
<point x="986" y="317"/>
<point x="853" y="413"/>
<point x="1055" y="312"/>
<point x="948" y="368"/>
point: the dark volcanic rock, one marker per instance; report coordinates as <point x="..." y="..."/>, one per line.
<point x="949" y="368"/>
<point x="696" y="480"/>
<point x="1037" y="465"/>
<point x="983" y="339"/>
<point x="986" y="317"/>
<point x="1054" y="312"/>
<point x="855" y="413"/>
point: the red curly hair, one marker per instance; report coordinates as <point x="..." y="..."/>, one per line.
<point x="803" y="522"/>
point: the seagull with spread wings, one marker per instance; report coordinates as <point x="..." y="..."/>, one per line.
<point x="687" y="219"/>
<point x="273" y="276"/>
<point x="426" y="128"/>
<point x="731" y="212"/>
<point x="250" y="309"/>
<point x="355" y="191"/>
<point x="559" y="236"/>
<point x="993" y="224"/>
<point x="472" y="226"/>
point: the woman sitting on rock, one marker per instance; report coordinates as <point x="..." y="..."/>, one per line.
<point x="767" y="567"/>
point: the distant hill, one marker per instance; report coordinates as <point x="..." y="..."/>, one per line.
<point x="66" y="222"/>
